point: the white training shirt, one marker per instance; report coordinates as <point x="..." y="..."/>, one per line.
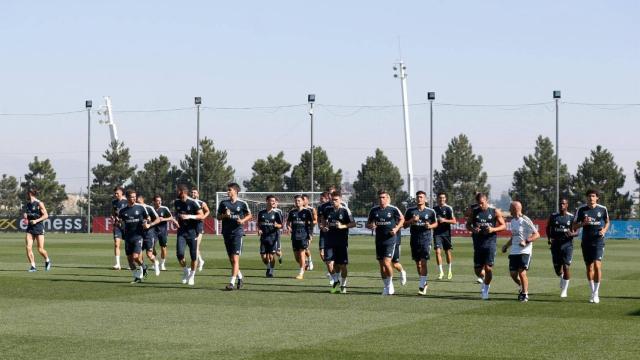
<point x="521" y="228"/>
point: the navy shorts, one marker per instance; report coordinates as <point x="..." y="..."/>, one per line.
<point x="133" y="245"/>
<point x="117" y="232"/>
<point x="37" y="229"/>
<point x="187" y="239"/>
<point x="484" y="255"/>
<point x="385" y="249"/>
<point x="592" y="251"/>
<point x="162" y="238"/>
<point x="299" y="244"/>
<point x="321" y="239"/>
<point x="338" y="254"/>
<point x="396" y="253"/>
<point x="268" y="245"/>
<point x="149" y="240"/>
<point x="233" y="244"/>
<point x="562" y="253"/>
<point x="442" y="242"/>
<point x="420" y="249"/>
<point x="519" y="261"/>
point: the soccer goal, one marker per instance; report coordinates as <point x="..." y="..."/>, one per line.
<point x="256" y="202"/>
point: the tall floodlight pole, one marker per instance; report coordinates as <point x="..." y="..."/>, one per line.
<point x="198" y="102"/>
<point x="407" y="131"/>
<point x="88" y="104"/>
<point x="556" y="97"/>
<point x="311" y="98"/>
<point x="431" y="96"/>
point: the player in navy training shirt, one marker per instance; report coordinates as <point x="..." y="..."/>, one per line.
<point x="269" y="224"/>
<point x="34" y="214"/>
<point x="421" y="220"/>
<point x="387" y="221"/>
<point x="560" y="237"/>
<point x="336" y="222"/>
<point x="442" y="234"/>
<point x="234" y="213"/>
<point x="593" y="218"/>
<point x="150" y="235"/>
<point x="118" y="202"/>
<point x="162" y="231"/>
<point x="300" y="225"/>
<point x="188" y="212"/>
<point x="307" y="252"/>
<point x="134" y="220"/>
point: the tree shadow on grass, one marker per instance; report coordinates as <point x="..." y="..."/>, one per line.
<point x="635" y="313"/>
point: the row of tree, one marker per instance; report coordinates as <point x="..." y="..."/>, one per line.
<point x="461" y="177"/>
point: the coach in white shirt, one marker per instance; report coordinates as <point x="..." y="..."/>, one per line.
<point x="523" y="234"/>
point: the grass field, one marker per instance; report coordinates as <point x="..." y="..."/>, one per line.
<point x="81" y="309"/>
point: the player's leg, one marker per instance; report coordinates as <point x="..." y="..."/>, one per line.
<point x="437" y="246"/>
<point x="162" y="240"/>
<point x="192" y="244"/>
<point x="302" y="260"/>
<point x="43" y="252"/>
<point x="395" y="262"/>
<point x="344" y="273"/>
<point x="117" y="239"/>
<point x="200" y="258"/>
<point x="524" y="280"/>
<point x="447" y="246"/>
<point x="28" y="241"/>
<point x="181" y="246"/>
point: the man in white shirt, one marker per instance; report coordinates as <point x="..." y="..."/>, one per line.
<point x="523" y="234"/>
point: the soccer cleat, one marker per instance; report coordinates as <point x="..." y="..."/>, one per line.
<point x="136" y="280"/>
<point x="115" y="267"/>
<point x="596" y="299"/>
<point x="267" y="273"/>
<point x="162" y="267"/>
<point x="423" y="291"/>
<point x="200" y="265"/>
<point x="185" y="276"/>
<point x="335" y="287"/>
<point x="449" y="275"/>
<point x="440" y="275"/>
<point x="47" y="265"/>
<point x="280" y="259"/>
<point x="144" y="271"/>
<point x="156" y="268"/>
<point x="331" y="281"/>
<point x="385" y="291"/>
<point x="229" y="287"/>
<point x="300" y="277"/>
<point x="563" y="293"/>
<point x="485" y="294"/>
<point x="192" y="279"/>
<point x="239" y="284"/>
<point x="403" y="278"/>
<point x="524" y="297"/>
<point x="391" y="290"/>
<point x="479" y="280"/>
<point x="310" y="266"/>
<point x="32" y="269"/>
<point x="343" y="289"/>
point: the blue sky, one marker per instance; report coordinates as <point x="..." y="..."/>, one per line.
<point x="160" y="54"/>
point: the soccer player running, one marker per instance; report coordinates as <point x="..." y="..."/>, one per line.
<point x="336" y="222"/>
<point x="468" y="214"/>
<point x="300" y="225"/>
<point x="150" y="236"/>
<point x="485" y="223"/>
<point x="162" y="231"/>
<point x="395" y="260"/>
<point x="233" y="213"/>
<point x="560" y="237"/>
<point x="307" y="252"/>
<point x="118" y="202"/>
<point x="593" y="218"/>
<point x="523" y="234"/>
<point x="387" y="221"/>
<point x="279" y="253"/>
<point x="134" y="219"/>
<point x="188" y="212"/>
<point x="269" y="224"/>
<point x="195" y="195"/>
<point x="442" y="234"/>
<point x="421" y="220"/>
<point x="34" y="214"/>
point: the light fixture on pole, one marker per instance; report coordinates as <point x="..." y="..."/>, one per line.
<point x="198" y="102"/>
<point x="407" y="131"/>
<point x="557" y="96"/>
<point x="88" y="104"/>
<point x="431" y="96"/>
<point x="311" y="98"/>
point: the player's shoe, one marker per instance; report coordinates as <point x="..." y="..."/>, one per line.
<point x="440" y="275"/>
<point x="449" y="275"/>
<point x="192" y="279"/>
<point x="162" y="267"/>
<point x="479" y="280"/>
<point x="156" y="267"/>
<point x="229" y="287"/>
<point x="523" y="297"/>
<point x="563" y="293"/>
<point x="239" y="284"/>
<point x="385" y="291"/>
<point x="200" y="265"/>
<point x="116" y="267"/>
<point x="343" y="289"/>
<point x="185" y="276"/>
<point x="310" y="265"/>
<point x="268" y="273"/>
<point x="136" y="280"/>
<point x="403" y="278"/>
<point x="423" y="291"/>
<point x="144" y="271"/>
<point x="485" y="294"/>
<point x="47" y="265"/>
<point x="391" y="289"/>
<point x="32" y="269"/>
<point x="335" y="288"/>
<point x="300" y="277"/>
<point x="280" y="259"/>
<point x="596" y="299"/>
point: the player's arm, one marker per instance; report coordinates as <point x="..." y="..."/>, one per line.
<point x="451" y="221"/>
<point x="468" y="213"/>
<point x="399" y="225"/>
<point x="579" y="220"/>
<point x="500" y="222"/>
<point x="223" y="212"/>
<point x="278" y="221"/>
<point x="547" y="229"/>
<point x="45" y="214"/>
<point x="314" y="214"/>
<point x="409" y="219"/>
<point x="432" y="221"/>
<point x="507" y="245"/>
<point x="606" y="223"/>
<point x="158" y="219"/>
<point x="371" y="224"/>
<point x="205" y="209"/>
<point x="535" y="235"/>
<point x="248" y="216"/>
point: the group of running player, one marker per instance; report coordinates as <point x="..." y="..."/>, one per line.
<point x="141" y="226"/>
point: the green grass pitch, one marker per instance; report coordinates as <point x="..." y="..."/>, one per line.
<point x="83" y="310"/>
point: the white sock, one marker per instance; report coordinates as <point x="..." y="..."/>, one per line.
<point x="302" y="270"/>
<point x="233" y="281"/>
<point x="423" y="281"/>
<point x="309" y="258"/>
<point x="449" y="265"/>
<point x="33" y="264"/>
<point x="596" y="287"/>
<point x="565" y="286"/>
<point x="200" y="259"/>
<point x="162" y="261"/>
<point x="440" y="268"/>
<point x="240" y="275"/>
<point x="47" y="259"/>
<point x="335" y="277"/>
<point x="592" y="285"/>
<point x="187" y="270"/>
<point x="343" y="281"/>
<point x="117" y="260"/>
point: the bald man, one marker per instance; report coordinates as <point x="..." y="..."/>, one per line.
<point x="523" y="234"/>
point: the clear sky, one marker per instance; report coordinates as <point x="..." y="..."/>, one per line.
<point x="160" y="54"/>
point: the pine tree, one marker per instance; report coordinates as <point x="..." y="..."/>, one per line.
<point x="323" y="174"/>
<point x="215" y="174"/>
<point x="156" y="178"/>
<point x="268" y="174"/>
<point x="42" y="177"/>
<point x="116" y="172"/>
<point x="9" y="196"/>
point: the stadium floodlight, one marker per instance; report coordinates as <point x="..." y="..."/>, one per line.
<point x="556" y="94"/>
<point x="431" y="95"/>
<point x="402" y="75"/>
<point x="88" y="104"/>
<point x="311" y="98"/>
<point x="198" y="100"/>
